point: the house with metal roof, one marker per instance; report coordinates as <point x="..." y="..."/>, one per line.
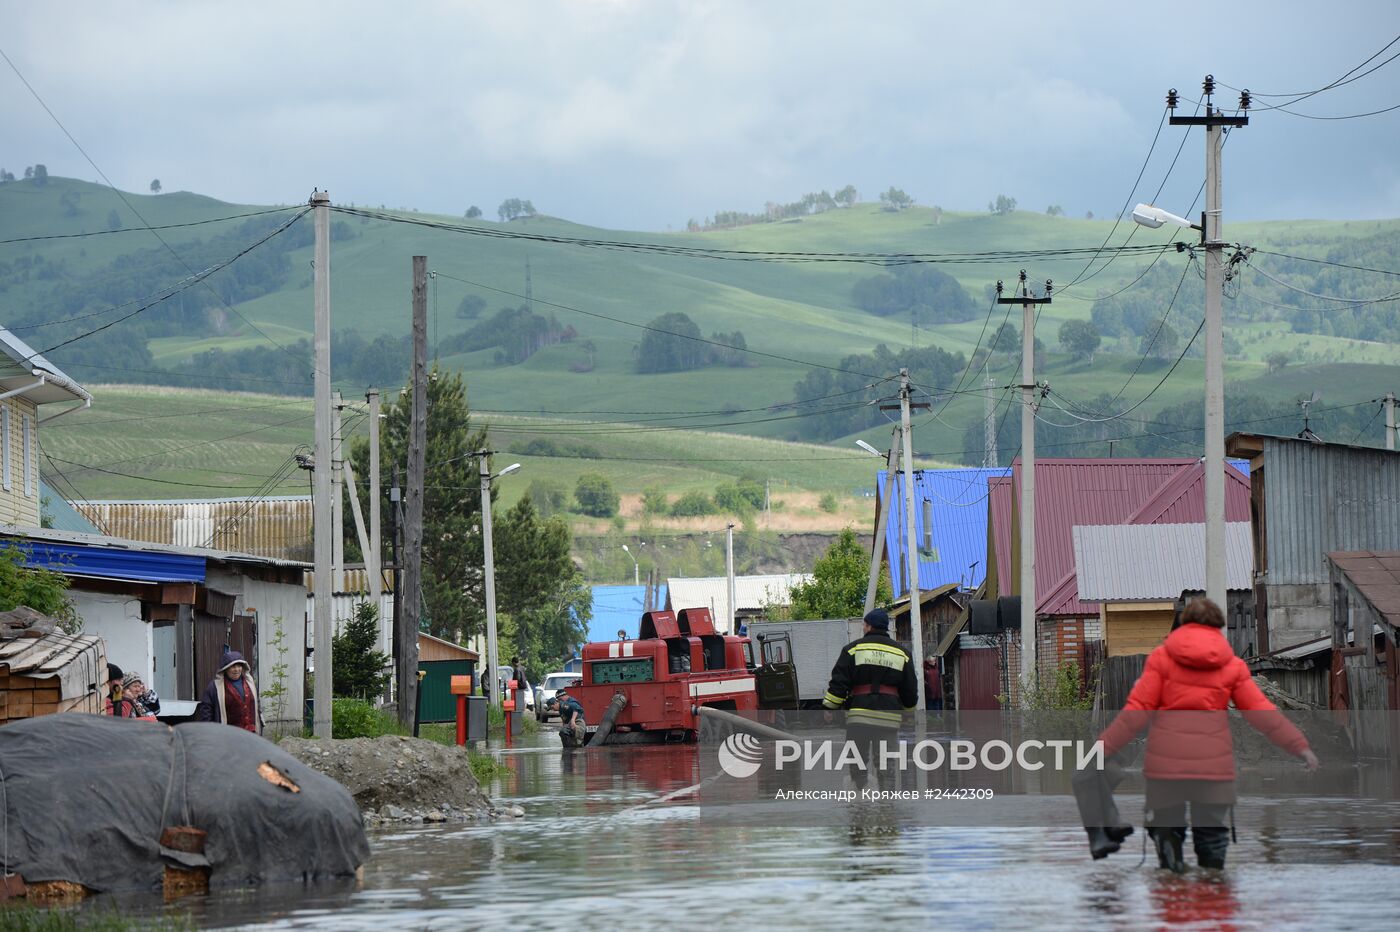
<point x="1365" y="684"/>
<point x="272" y="526"/>
<point x="167" y="612"/>
<point x="950" y="527"/>
<point x="27" y="382"/>
<point x="1309" y="499"/>
<point x="752" y="595"/>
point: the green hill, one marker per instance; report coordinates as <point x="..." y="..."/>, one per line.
<point x="803" y="311"/>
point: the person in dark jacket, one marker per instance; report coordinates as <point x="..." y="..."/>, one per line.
<point x="1194" y="676"/>
<point x="573" y="731"/>
<point x="231" y="696"/>
<point x="147" y="702"/>
<point x="117" y="704"/>
<point x="875" y="682"/>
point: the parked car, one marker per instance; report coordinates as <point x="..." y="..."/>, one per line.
<point x="546" y="706"/>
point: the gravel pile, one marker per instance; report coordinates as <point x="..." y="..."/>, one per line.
<point x="397" y="779"/>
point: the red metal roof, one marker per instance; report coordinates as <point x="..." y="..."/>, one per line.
<point x="1071" y="492"/>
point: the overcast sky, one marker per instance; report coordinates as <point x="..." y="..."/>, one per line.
<point x="644" y="113"/>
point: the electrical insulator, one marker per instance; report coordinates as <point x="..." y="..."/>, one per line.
<point x="998" y="288"/>
<point x="1171" y="99"/>
<point x="1049" y="287"/>
<point x="1208" y="85"/>
<point x="1244" y="99"/>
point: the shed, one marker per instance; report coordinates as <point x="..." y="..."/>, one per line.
<point x="44" y="671"/>
<point x="1365" y="629"/>
<point x="1137" y="573"/>
<point x="1309" y="499"/>
<point x="752" y="594"/>
<point x="439" y="660"/>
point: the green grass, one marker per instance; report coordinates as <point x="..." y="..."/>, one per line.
<point x="27" y="918"/>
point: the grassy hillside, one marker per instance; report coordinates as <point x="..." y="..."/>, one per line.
<point x="804" y="311"/>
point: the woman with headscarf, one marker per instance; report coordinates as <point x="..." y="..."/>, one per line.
<point x="232" y="697"/>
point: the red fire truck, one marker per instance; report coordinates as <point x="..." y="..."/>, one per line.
<point x="676" y="665"/>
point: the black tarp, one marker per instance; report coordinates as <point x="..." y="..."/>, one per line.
<point x="84" y="798"/>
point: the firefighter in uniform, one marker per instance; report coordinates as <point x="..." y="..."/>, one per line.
<point x="875" y="682"/>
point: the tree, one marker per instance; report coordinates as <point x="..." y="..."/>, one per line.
<point x="452" y="551"/>
<point x="1002" y="206"/>
<point x="1163" y="342"/>
<point x="672" y="344"/>
<point x="1088" y="215"/>
<point x="847" y="196"/>
<point x="114" y="220"/>
<point x="41" y="175"/>
<point x="839" y="580"/>
<point x="358" y="669"/>
<point x="471" y="307"/>
<point x="1007" y="339"/>
<point x="6" y="176"/>
<point x="472" y="212"/>
<point x="28" y="172"/>
<point x="1054" y="210"/>
<point x="1080" y="338"/>
<point x="545" y="636"/>
<point x="896" y="200"/>
<point x="155" y="186"/>
<point x="550" y="498"/>
<point x="692" y="504"/>
<point x="43" y="590"/>
<point x="595" y="495"/>
<point x="654" y="501"/>
<point x="534" y="558"/>
<point x="1277" y="361"/>
<point x="514" y="208"/>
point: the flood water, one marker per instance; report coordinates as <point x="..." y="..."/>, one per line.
<point x="604" y="846"/>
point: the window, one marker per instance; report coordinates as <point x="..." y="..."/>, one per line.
<point x="5" y="440"/>
<point x="28" y="456"/>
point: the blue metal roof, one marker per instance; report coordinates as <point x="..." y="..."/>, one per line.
<point x="959" y="507"/>
<point x="112" y="562"/>
<point x="618" y="608"/>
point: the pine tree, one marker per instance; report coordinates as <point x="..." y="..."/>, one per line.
<point x="357" y="667"/>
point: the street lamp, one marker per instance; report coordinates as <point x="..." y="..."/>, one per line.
<point x="636" y="567"/>
<point x="492" y="667"/>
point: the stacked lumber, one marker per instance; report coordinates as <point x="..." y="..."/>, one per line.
<point x="44" y="671"/>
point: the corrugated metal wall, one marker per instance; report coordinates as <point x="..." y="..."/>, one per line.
<point x="1320" y="498"/>
<point x="268" y="527"/>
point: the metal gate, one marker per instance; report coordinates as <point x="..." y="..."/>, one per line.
<point x="435" y="700"/>
<point x="979" y="679"/>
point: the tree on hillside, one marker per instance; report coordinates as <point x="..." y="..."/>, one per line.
<point x="847" y="195"/>
<point x="114" y="220"/>
<point x="672" y="344"/>
<point x="41" y="174"/>
<point x="1277" y="361"/>
<point x="471" y="307"/>
<point x="929" y="294"/>
<point x="6" y="176"/>
<point x="1002" y="206"/>
<point x="595" y="495"/>
<point x="1163" y="343"/>
<point x="537" y="554"/>
<point x="1054" y="210"/>
<point x="1080" y="338"/>
<point x="1007" y="339"/>
<point x="155" y="186"/>
<point x="514" y="208"/>
<point x="472" y="212"/>
<point x="28" y="172"/>
<point x="839" y="580"/>
<point x="896" y="200"/>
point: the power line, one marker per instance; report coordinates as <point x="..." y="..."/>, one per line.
<point x="162" y="226"/>
<point x="1346" y="78"/>
<point x="89" y="422"/>
<point x="184" y="375"/>
<point x="1340" y="265"/>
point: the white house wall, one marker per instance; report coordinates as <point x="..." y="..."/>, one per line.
<point x="343" y="609"/>
<point x="117" y="620"/>
<point x="271" y="601"/>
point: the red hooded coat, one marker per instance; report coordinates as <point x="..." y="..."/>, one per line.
<point x="1194" y="676"/>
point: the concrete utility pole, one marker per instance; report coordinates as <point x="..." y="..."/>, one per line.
<point x="412" y="603"/>
<point x="911" y="538"/>
<point x="374" y="560"/>
<point x="321" y="476"/>
<point x="1214" y="122"/>
<point x="729" y="577"/>
<point x="492" y="658"/>
<point x="337" y="495"/>
<point x="989" y="425"/>
<point x="1390" y="420"/>
<point x="1029" y="306"/>
<point x="877" y="545"/>
<point x="396" y="551"/>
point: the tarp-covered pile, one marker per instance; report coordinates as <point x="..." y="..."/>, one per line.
<point x="85" y="799"/>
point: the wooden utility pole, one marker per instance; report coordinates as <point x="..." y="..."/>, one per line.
<point x="374" y="560"/>
<point x="877" y="544"/>
<point x="411" y="603"/>
<point x="1029" y="309"/>
<point x="321" y="476"/>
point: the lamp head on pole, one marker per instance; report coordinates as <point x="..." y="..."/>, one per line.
<point x="1153" y="217"/>
<point x="508" y="470"/>
<point x="868" y="448"/>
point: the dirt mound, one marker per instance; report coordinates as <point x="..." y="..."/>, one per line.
<point x="400" y="779"/>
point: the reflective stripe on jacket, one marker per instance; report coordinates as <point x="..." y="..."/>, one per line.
<point x="874" y="681"/>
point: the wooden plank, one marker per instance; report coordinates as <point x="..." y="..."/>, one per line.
<point x="47" y="694"/>
<point x="178" y="593"/>
<point x="45" y="708"/>
<point x="21" y="704"/>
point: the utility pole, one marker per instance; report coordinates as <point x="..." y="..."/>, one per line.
<point x="492" y="659"/>
<point x="337" y="496"/>
<point x="1029" y="307"/>
<point x="877" y="545"/>
<point x="729" y="578"/>
<point x="911" y="538"/>
<point x="395" y="500"/>
<point x="1390" y="420"/>
<point x="321" y="476"/>
<point x="1214" y="121"/>
<point x="989" y="425"/>
<point x="412" y="603"/>
<point x="374" y="560"/>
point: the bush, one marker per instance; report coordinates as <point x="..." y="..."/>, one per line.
<point x="356" y="718"/>
<point x="654" y="501"/>
<point x="550" y="498"/>
<point x="828" y="503"/>
<point x="729" y="499"/>
<point x="692" y="505"/>
<point x="595" y="495"/>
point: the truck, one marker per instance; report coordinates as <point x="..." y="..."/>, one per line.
<point x="811" y="645"/>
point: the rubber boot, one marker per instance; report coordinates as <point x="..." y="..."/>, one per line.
<point x="1100" y="844"/>
<point x="1169" y="842"/>
<point x="1211" y="845"/>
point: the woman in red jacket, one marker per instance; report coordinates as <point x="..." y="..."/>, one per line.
<point x="1195" y="676"/>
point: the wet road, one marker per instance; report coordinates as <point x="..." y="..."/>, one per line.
<point x="602" y="846"/>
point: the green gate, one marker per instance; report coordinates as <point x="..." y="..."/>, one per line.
<point x="435" y="700"/>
